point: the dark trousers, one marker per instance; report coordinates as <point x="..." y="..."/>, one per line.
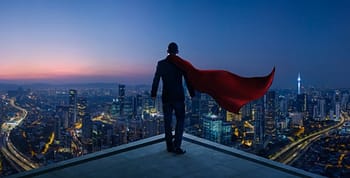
<point x="179" y="108"/>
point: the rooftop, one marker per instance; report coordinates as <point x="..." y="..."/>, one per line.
<point x="149" y="158"/>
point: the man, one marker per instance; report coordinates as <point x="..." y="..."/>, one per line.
<point x="172" y="97"/>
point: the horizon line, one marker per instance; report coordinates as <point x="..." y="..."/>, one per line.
<point x="55" y="83"/>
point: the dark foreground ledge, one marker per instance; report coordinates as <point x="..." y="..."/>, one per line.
<point x="149" y="158"/>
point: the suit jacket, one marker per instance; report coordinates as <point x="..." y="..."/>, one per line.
<point x="171" y="75"/>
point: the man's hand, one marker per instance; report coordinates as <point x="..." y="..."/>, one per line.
<point x="153" y="98"/>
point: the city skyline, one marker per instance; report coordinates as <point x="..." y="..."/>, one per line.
<point x="57" y="124"/>
<point x="93" y="41"/>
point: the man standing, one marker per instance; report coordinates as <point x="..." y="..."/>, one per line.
<point x="172" y="97"/>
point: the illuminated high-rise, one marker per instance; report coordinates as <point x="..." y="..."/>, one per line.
<point x="212" y="128"/>
<point x="259" y="126"/>
<point x="337" y="99"/>
<point x="81" y="108"/>
<point x="72" y="106"/>
<point x="270" y="116"/>
<point x="301" y="103"/>
<point x="128" y="107"/>
<point x="337" y="111"/>
<point x="121" y="97"/>
<point x="322" y="107"/>
<point x="299" y="83"/>
<point x="215" y="129"/>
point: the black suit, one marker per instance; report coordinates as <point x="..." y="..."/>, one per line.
<point x="173" y="99"/>
<point x="171" y="75"/>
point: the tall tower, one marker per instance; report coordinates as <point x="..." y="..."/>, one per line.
<point x="259" y="125"/>
<point x="270" y="116"/>
<point x="81" y="108"/>
<point x="72" y="106"/>
<point x="299" y="80"/>
<point x="121" y="98"/>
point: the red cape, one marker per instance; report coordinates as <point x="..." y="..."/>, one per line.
<point x="229" y="90"/>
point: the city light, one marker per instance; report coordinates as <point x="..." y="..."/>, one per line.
<point x="60" y="123"/>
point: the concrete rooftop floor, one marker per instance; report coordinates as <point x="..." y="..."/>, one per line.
<point x="149" y="158"/>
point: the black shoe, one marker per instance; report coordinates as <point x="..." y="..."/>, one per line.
<point x="179" y="151"/>
<point x="170" y="149"/>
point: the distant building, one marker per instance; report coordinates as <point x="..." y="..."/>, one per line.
<point x="72" y="106"/>
<point x="226" y="133"/>
<point x="121" y="98"/>
<point x="302" y="103"/>
<point x="337" y="100"/>
<point x="322" y="109"/>
<point x="270" y="116"/>
<point x="115" y="109"/>
<point x="246" y="111"/>
<point x="344" y="101"/>
<point x="337" y="111"/>
<point x="138" y="104"/>
<point x="87" y="126"/>
<point x="81" y="108"/>
<point x="63" y="116"/>
<point x="128" y="107"/>
<point x="259" y="127"/>
<point x="215" y="129"/>
<point x="283" y="106"/>
<point x="296" y="119"/>
<point x="212" y="128"/>
<point x="101" y="136"/>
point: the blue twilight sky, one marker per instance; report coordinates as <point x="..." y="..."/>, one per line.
<point x="121" y="41"/>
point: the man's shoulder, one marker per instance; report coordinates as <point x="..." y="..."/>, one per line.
<point x="163" y="61"/>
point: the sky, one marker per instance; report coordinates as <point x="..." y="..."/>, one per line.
<point x="121" y="41"/>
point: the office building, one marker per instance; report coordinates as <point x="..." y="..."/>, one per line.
<point x="121" y="98"/>
<point x="270" y="116"/>
<point x="72" y="107"/>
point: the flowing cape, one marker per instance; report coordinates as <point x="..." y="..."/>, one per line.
<point x="229" y="90"/>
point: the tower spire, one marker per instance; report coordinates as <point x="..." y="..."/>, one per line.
<point x="299" y="80"/>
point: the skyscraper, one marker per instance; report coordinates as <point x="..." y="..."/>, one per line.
<point x="128" y="109"/>
<point x="270" y="116"/>
<point x="337" y="99"/>
<point x="87" y="127"/>
<point x="322" y="107"/>
<point x="259" y="126"/>
<point x="337" y="111"/>
<point x="302" y="103"/>
<point x="72" y="106"/>
<point x="81" y="108"/>
<point x="63" y="114"/>
<point x="212" y="128"/>
<point x="121" y="98"/>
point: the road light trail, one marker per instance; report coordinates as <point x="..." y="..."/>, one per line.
<point x="307" y="139"/>
<point x="9" y="150"/>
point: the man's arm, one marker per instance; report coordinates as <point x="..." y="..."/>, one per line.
<point x="155" y="82"/>
<point x="189" y="87"/>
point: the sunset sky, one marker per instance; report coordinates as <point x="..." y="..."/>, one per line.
<point x="121" y="41"/>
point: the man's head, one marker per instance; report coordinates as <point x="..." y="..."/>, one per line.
<point x="172" y="48"/>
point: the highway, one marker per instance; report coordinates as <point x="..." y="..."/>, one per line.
<point x="292" y="151"/>
<point x="18" y="160"/>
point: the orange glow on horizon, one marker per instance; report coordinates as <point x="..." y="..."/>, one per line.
<point x="66" y="67"/>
